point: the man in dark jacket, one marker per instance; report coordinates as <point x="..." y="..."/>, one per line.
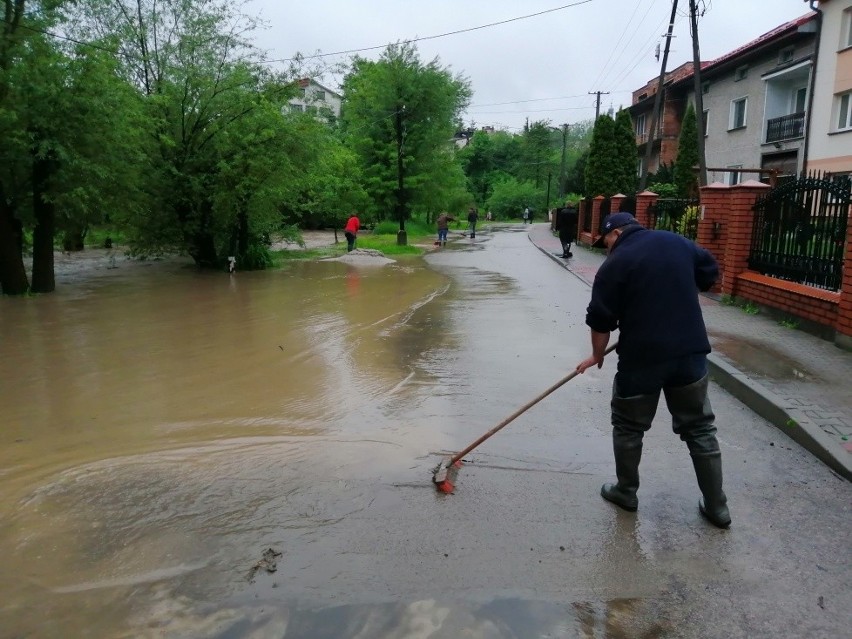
<point x="648" y="289"/>
<point x="566" y="226"/>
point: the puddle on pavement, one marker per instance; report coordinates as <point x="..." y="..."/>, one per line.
<point x="760" y="359"/>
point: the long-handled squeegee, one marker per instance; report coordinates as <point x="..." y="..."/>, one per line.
<point x="444" y="475"/>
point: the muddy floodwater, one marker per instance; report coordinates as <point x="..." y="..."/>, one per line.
<point x="162" y="427"/>
<point x="196" y="455"/>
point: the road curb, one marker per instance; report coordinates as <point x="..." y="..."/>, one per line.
<point x="789" y="419"/>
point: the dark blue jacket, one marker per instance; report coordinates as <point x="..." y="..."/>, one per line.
<point x="648" y="289"/>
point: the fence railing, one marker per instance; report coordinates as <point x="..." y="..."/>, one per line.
<point x="787" y="127"/>
<point x="679" y="215"/>
<point x="799" y="231"/>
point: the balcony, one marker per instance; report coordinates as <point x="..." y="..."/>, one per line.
<point x="786" y="127"/>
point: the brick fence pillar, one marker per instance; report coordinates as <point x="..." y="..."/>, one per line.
<point x="843" y="325"/>
<point x="738" y="232"/>
<point x="615" y="202"/>
<point x="713" y="223"/>
<point x="644" y="201"/>
<point x="596" y="217"/>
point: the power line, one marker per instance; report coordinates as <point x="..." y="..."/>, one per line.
<point x="432" y="37"/>
<point x="613" y="49"/>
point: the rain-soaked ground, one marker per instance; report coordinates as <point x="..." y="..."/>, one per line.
<point x="190" y="454"/>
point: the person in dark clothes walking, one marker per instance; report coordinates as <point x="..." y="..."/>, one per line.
<point x="472" y="217"/>
<point x="647" y="288"/>
<point x="566" y="225"/>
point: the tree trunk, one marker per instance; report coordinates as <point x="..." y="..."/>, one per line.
<point x="74" y="238"/>
<point x="45" y="217"/>
<point x="13" y="275"/>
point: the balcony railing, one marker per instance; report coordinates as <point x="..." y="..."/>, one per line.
<point x="787" y="127"/>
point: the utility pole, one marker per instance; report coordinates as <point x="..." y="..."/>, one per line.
<point x="658" y="100"/>
<point x="562" y="163"/>
<point x="401" y="235"/>
<point x="598" y="103"/>
<point x="699" y="100"/>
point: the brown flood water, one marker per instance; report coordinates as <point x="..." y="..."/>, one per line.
<point x="161" y="421"/>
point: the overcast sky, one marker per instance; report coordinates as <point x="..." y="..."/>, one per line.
<point x="540" y="67"/>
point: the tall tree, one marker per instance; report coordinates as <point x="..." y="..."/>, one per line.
<point x="626" y="155"/>
<point x="602" y="167"/>
<point x="398" y="115"/>
<point x="685" y="176"/>
<point x="197" y="69"/>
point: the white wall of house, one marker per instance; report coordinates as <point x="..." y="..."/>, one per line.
<point x="768" y="84"/>
<point x="315" y="97"/>
<point x="830" y="145"/>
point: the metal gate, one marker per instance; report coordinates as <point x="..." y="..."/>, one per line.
<point x="799" y="231"/>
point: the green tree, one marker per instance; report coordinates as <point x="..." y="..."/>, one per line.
<point x="206" y="95"/>
<point x="602" y="167"/>
<point x="626" y="154"/>
<point x="685" y="176"/>
<point x="540" y="147"/>
<point x="398" y="114"/>
<point x="511" y="196"/>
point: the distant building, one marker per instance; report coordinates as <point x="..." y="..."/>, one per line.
<point x="315" y="98"/>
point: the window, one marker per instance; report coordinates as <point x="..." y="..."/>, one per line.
<point x="705" y="117"/>
<point x="844" y="111"/>
<point x="741" y="73"/>
<point x="799" y="97"/>
<point x="705" y="87"/>
<point x="640" y="125"/>
<point x="319" y="96"/>
<point x="739" y="110"/>
<point x="785" y="55"/>
<point x="846" y="30"/>
<point x="297" y="108"/>
<point x="643" y="96"/>
<point x="734" y="177"/>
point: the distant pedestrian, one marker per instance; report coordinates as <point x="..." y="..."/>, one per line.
<point x="488" y="216"/>
<point x="527" y="214"/>
<point x="566" y="225"/>
<point x="353" y="224"/>
<point x="647" y="288"/>
<point x="443" y="227"/>
<point x="472" y="217"/>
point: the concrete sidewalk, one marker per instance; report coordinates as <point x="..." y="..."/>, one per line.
<point x="798" y="382"/>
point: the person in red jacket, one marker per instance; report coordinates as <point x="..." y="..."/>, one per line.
<point x="351" y="231"/>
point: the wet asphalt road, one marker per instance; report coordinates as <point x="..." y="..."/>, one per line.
<point x="526" y="547"/>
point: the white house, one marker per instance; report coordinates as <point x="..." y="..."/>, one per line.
<point x="315" y="98"/>
<point x="830" y="127"/>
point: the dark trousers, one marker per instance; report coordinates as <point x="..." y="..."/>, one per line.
<point x="350" y="241"/>
<point x="635" y="395"/>
<point x="565" y="239"/>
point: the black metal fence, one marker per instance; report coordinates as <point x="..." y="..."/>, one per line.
<point x="677" y="215"/>
<point x="787" y="127"/>
<point x="799" y="232"/>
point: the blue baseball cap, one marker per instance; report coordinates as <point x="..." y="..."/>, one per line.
<point x="614" y="221"/>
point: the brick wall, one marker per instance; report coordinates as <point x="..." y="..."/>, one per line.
<point x="725" y="230"/>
